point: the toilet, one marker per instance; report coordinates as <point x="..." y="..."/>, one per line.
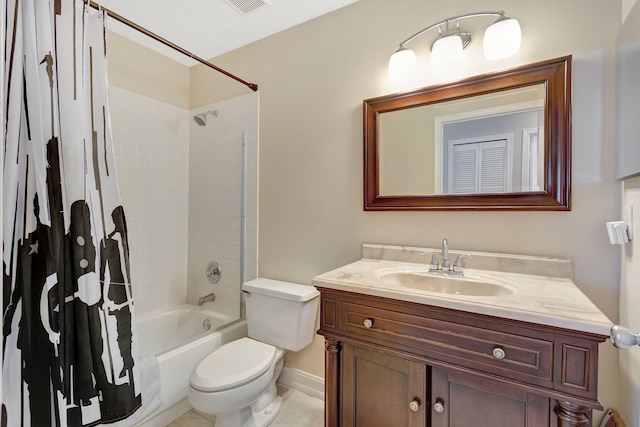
<point x="237" y="381"/>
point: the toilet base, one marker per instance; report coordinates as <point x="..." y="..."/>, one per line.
<point x="260" y="413"/>
<point x="267" y="415"/>
<point x="246" y="417"/>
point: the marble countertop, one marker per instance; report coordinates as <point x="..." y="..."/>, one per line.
<point x="550" y="299"/>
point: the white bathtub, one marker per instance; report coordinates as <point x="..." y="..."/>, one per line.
<point x="179" y="341"/>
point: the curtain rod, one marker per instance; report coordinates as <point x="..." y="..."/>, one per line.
<point x="166" y="42"/>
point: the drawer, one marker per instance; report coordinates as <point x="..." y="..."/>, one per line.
<point x="452" y="341"/>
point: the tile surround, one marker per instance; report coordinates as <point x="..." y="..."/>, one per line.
<point x="180" y="187"/>
<point x="215" y="200"/>
<point x="151" y="148"/>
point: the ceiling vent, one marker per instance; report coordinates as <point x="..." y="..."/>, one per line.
<point x="247" y="6"/>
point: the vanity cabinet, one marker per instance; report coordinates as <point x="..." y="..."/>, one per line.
<point x="400" y="363"/>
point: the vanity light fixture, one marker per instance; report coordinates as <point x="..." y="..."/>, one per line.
<point x="501" y="40"/>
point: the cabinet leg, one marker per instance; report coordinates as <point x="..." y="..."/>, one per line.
<point x="332" y="382"/>
<point x="571" y="415"/>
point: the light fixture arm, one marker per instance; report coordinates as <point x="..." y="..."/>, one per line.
<point x="499" y="13"/>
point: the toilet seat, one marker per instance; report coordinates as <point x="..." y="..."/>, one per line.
<point x="232" y="365"/>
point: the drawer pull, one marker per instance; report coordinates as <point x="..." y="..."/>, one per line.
<point x="439" y="406"/>
<point x="499" y="353"/>
<point x="368" y="323"/>
<point x="414" y="405"/>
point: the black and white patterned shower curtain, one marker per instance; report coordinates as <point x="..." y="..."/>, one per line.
<point x="69" y="348"/>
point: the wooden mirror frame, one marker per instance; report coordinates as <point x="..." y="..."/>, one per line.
<point x="554" y="74"/>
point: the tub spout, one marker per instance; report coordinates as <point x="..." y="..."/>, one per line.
<point x="207" y="298"/>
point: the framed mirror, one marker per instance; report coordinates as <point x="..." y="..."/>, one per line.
<point x="499" y="141"/>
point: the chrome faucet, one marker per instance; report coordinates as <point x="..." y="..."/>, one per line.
<point x="207" y="298"/>
<point x="446" y="268"/>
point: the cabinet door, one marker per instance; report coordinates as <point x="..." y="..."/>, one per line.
<point x="463" y="399"/>
<point x="381" y="390"/>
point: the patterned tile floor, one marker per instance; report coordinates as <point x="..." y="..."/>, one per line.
<point x="298" y="410"/>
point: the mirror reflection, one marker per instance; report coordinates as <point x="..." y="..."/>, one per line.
<point x="491" y="143"/>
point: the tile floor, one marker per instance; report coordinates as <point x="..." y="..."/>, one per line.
<point x="298" y="410"/>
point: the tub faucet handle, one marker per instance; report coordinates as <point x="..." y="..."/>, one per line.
<point x="213" y="272"/>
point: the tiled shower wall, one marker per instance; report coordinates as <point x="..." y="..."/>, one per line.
<point x="215" y="200"/>
<point x="180" y="187"/>
<point x="151" y="143"/>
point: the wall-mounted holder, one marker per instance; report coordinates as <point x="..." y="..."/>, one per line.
<point x="618" y="232"/>
<point x="213" y="272"/>
<point x="621" y="232"/>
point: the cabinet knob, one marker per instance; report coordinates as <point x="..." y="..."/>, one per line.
<point x="439" y="406"/>
<point x="368" y="323"/>
<point x="414" y="405"/>
<point x="499" y="353"/>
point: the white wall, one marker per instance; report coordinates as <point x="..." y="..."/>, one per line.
<point x="215" y="199"/>
<point x="151" y="143"/>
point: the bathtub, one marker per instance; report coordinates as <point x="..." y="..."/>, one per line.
<point x="179" y="340"/>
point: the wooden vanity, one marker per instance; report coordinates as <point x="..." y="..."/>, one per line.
<point x="427" y="361"/>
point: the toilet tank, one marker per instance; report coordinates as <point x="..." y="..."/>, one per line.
<point x="280" y="313"/>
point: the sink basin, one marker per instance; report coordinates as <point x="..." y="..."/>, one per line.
<point x="470" y="284"/>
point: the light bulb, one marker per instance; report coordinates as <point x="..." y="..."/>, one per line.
<point x="446" y="51"/>
<point x="402" y="66"/>
<point x="502" y="39"/>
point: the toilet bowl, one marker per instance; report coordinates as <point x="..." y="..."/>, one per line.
<point x="237" y="381"/>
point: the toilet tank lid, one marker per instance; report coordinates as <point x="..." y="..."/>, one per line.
<point x="280" y="289"/>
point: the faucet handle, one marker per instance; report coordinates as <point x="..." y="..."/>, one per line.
<point x="433" y="264"/>
<point x="457" y="265"/>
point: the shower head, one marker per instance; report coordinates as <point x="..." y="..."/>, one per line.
<point x="201" y="119"/>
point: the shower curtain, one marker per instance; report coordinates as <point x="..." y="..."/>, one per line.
<point x="69" y="348"/>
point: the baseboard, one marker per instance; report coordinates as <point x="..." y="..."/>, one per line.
<point x="303" y="382"/>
